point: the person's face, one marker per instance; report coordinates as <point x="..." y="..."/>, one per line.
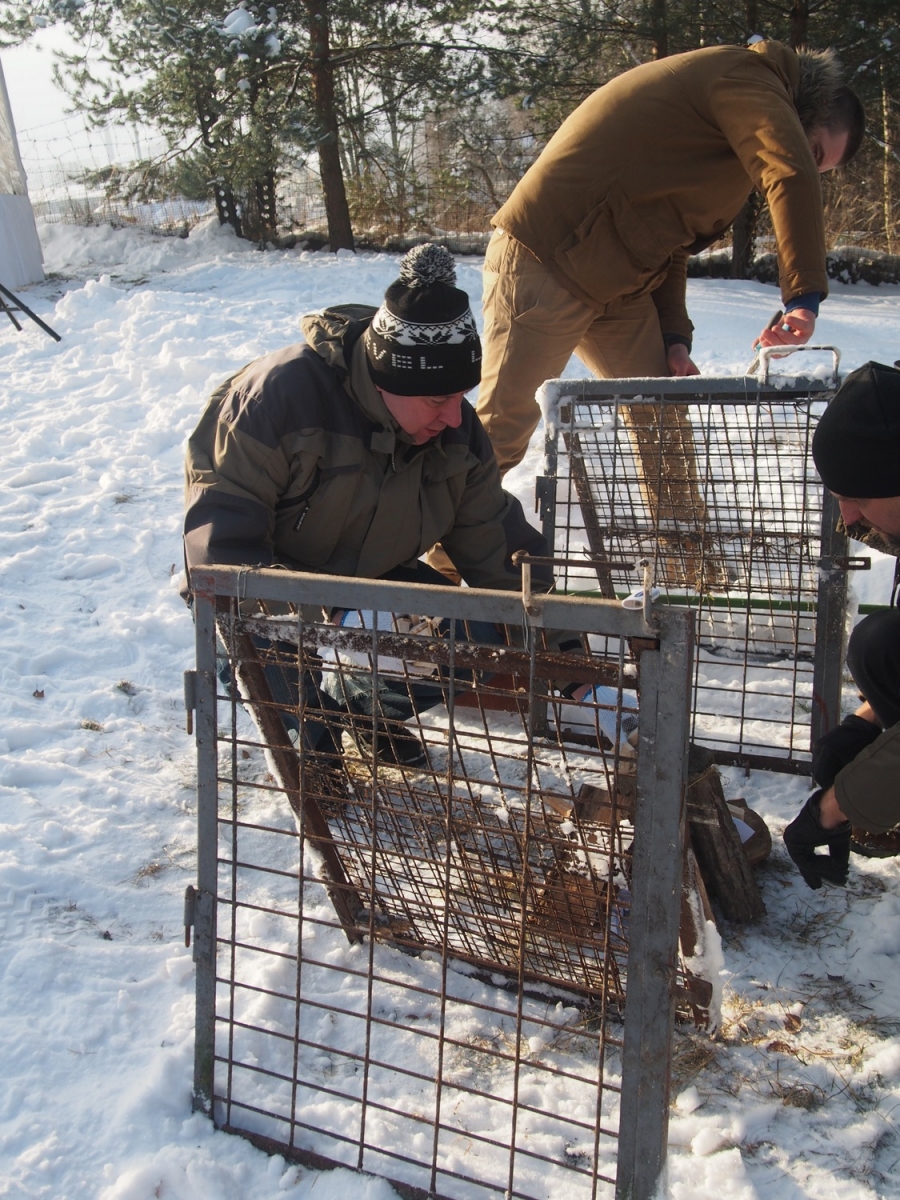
<point x="423" y="417"/>
<point x="828" y="147"/>
<point x="882" y="515"/>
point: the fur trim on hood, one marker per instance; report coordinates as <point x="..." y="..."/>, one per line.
<point x="820" y="77"/>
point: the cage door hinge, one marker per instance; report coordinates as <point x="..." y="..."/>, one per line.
<point x="199" y="920"/>
<point x="190" y="698"/>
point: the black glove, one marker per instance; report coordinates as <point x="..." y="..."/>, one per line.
<point x="836" y="749"/>
<point x="802" y="837"/>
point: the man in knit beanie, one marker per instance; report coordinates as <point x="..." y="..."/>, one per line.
<point x="856" y="448"/>
<point x="354" y="452"/>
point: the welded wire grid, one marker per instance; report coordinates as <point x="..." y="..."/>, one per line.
<point x="436" y="996"/>
<point x="721" y="496"/>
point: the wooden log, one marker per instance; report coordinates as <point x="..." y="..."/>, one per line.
<point x="717" y="845"/>
<point x="696" y="993"/>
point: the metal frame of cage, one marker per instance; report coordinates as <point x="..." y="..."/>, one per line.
<point x="470" y="984"/>
<point x="711" y="480"/>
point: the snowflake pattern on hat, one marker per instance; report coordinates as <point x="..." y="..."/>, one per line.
<point x="411" y="333"/>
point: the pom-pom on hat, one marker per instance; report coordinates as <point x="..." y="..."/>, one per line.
<point x="856" y="446"/>
<point x="423" y="340"/>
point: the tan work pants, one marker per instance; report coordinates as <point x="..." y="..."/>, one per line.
<point x="532" y="326"/>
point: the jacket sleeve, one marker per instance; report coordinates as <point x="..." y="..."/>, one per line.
<point x="868" y="789"/>
<point x="235" y="473"/>
<point x="754" y="111"/>
<point x="669" y="299"/>
<point x="490" y="526"/>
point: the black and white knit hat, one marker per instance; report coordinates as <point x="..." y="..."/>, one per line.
<point x="423" y="340"/>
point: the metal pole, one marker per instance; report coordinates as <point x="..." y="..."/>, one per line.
<point x="207" y="854"/>
<point x="656" y="906"/>
<point x="28" y="313"/>
<point x="545" y="485"/>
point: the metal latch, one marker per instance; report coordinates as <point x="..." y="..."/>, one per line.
<point x="845" y="562"/>
<point x="544" y="496"/>
<point x="190" y="698"/>
<point x="190" y="903"/>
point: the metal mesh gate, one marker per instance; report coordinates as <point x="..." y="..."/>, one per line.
<point x="712" y="481"/>
<point x="440" y="943"/>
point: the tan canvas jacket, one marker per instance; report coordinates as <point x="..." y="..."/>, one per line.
<point x="659" y="162"/>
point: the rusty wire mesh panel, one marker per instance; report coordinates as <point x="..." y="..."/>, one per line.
<point x="712" y="480"/>
<point x="435" y="911"/>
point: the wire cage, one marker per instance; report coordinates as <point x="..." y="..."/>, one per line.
<point x="711" y="481"/>
<point x="439" y="906"/>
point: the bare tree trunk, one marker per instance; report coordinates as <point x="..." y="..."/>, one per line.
<point x="799" y="22"/>
<point x="659" y="32"/>
<point x="887" y="193"/>
<point x="337" y="210"/>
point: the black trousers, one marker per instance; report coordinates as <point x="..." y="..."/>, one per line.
<point x="873" y="658"/>
<point x="867" y="789"/>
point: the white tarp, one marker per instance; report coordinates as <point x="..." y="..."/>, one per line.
<point x="21" y="261"/>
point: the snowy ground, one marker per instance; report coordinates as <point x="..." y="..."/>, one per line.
<point x="800" y="1096"/>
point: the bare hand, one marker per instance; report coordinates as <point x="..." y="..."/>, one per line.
<point x="830" y="815"/>
<point x="794" y="329"/>
<point x="680" y="361"/>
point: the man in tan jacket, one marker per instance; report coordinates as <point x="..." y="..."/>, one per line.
<point x="590" y="252"/>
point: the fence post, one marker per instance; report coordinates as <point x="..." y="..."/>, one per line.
<point x="656" y="906"/>
<point x="207" y="854"/>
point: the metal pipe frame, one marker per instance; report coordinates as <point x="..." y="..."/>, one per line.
<point x="804" y="616"/>
<point x="640" y="1039"/>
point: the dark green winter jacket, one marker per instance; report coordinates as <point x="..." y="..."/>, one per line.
<point x="297" y="461"/>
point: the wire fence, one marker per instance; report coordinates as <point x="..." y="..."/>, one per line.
<point x="84" y="176"/>
<point x="67" y="164"/>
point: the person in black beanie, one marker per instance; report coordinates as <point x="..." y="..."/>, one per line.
<point x="856" y="449"/>
<point x="356" y="451"/>
<point x="353" y="453"/>
<point x="422" y="340"/>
